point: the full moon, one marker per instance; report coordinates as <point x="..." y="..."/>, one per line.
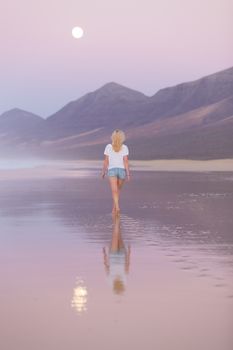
<point x="77" y="32"/>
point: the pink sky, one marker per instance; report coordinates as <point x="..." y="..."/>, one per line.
<point x="145" y="45"/>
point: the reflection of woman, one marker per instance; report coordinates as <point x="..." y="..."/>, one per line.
<point x="116" y="165"/>
<point x="117" y="259"/>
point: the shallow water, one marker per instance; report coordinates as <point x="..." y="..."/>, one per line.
<point x="158" y="277"/>
<point x="6" y="164"/>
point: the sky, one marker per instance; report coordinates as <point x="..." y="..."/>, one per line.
<point x="144" y="45"/>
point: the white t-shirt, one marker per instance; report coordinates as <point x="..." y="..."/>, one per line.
<point x="117" y="267"/>
<point x="116" y="158"/>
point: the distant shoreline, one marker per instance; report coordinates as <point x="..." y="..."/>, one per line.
<point x="184" y="165"/>
<point x="73" y="169"/>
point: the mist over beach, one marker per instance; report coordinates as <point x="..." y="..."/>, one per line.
<point x="116" y="175"/>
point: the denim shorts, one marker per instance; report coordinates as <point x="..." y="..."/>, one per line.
<point x="118" y="172"/>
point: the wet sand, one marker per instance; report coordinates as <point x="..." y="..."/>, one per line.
<point x="159" y="277"/>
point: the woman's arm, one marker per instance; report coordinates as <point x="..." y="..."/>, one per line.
<point x="126" y="165"/>
<point x="105" y="166"/>
<point x="106" y="261"/>
<point x="127" y="259"/>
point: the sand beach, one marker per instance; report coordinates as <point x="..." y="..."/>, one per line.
<point x="168" y="285"/>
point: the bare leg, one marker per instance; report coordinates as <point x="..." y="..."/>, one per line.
<point x="115" y="193"/>
<point x="120" y="183"/>
<point x="117" y="241"/>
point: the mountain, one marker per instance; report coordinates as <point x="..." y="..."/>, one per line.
<point x="189" y="120"/>
<point x="97" y="110"/>
<point x="188" y="96"/>
<point x="18" y="128"/>
<point x="17" y="121"/>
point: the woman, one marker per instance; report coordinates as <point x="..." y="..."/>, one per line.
<point x="116" y="165"/>
<point x="117" y="258"/>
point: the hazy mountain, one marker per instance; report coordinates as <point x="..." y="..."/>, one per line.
<point x="18" y="129"/>
<point x="17" y="120"/>
<point x="110" y="105"/>
<point x="189" y="120"/>
<point x="191" y="95"/>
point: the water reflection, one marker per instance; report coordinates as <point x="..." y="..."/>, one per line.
<point x="54" y="230"/>
<point x="79" y="299"/>
<point x="117" y="259"/>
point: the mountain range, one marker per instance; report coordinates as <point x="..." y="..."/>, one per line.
<point x="192" y="120"/>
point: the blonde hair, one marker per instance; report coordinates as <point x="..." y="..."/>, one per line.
<point x="118" y="137"/>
